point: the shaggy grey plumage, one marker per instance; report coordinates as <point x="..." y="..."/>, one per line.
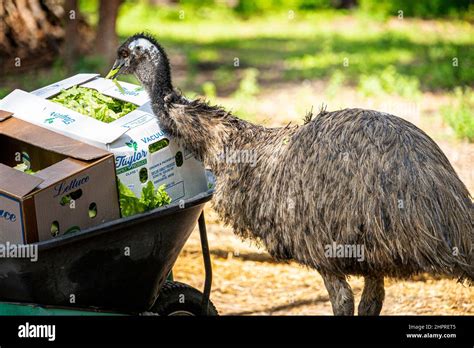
<point x="353" y="177"/>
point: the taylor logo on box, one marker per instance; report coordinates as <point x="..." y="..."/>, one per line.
<point x="65" y="187"/>
<point x="128" y="161"/>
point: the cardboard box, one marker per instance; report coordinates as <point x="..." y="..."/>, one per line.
<point x="73" y="186"/>
<point x="129" y="138"/>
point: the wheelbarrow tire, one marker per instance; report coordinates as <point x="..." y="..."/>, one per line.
<point x="177" y="298"/>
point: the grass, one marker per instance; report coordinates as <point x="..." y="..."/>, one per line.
<point x="308" y="46"/>
<point x="389" y="81"/>
<point x="223" y="55"/>
<point x="313" y="46"/>
<point x="460" y="114"/>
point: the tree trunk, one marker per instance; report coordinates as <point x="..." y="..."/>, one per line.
<point x="106" y="40"/>
<point x="71" y="47"/>
<point x="32" y="33"/>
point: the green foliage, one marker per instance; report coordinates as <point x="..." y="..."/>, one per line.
<point x="94" y="104"/>
<point x="150" y="199"/>
<point x="129" y="203"/>
<point x="335" y="83"/>
<point x="315" y="4"/>
<point x="248" y="86"/>
<point x="86" y="64"/>
<point x="389" y="81"/>
<point x="90" y="10"/>
<point x="209" y="89"/>
<point x="460" y="114"/>
<point x="33" y="79"/>
<point x="414" y="8"/>
<point x="224" y="77"/>
<point x="311" y="46"/>
<point x="249" y="8"/>
<point x="3" y="92"/>
<point x="157" y="146"/>
<point x="153" y="198"/>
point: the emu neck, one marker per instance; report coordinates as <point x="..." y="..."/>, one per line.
<point x="156" y="79"/>
<point x="210" y="132"/>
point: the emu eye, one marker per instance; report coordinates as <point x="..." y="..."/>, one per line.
<point x="139" y="48"/>
<point x="124" y="54"/>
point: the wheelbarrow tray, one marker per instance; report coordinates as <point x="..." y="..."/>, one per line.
<point x="120" y="265"/>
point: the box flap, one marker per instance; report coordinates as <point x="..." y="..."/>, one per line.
<point x="47" y="114"/>
<point x="16" y="182"/>
<point x="135" y="118"/>
<point x="59" y="171"/>
<point x="4" y="115"/>
<point x="49" y="140"/>
<point x="55" y="88"/>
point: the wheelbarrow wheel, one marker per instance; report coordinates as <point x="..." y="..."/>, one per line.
<point x="177" y="298"/>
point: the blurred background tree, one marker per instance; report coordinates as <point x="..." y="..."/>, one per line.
<point x="30" y="29"/>
<point x="71" y="32"/>
<point x="40" y="31"/>
<point x="106" y="40"/>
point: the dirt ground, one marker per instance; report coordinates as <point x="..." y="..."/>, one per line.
<point x="248" y="282"/>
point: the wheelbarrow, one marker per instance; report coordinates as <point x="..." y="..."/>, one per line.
<point x="120" y="267"/>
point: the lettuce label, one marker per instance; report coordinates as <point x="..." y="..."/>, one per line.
<point x="11" y="217"/>
<point x="63" y="188"/>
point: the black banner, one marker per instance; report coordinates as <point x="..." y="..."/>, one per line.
<point x="411" y="330"/>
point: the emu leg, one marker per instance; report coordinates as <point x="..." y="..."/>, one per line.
<point x="340" y="294"/>
<point x="372" y="297"/>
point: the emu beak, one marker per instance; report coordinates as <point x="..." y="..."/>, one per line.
<point x="115" y="71"/>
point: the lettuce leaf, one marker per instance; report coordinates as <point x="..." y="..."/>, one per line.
<point x="23" y="167"/>
<point x="119" y="86"/>
<point x="129" y="203"/>
<point x="150" y="199"/>
<point x="94" y="104"/>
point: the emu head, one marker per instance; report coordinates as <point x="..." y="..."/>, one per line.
<point x="142" y="56"/>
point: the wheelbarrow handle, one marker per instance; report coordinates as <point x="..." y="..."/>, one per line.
<point x="207" y="264"/>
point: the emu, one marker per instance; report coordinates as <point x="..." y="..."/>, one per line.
<point x="352" y="177"/>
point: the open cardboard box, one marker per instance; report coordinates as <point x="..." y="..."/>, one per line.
<point x="132" y="138"/>
<point x="73" y="186"/>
